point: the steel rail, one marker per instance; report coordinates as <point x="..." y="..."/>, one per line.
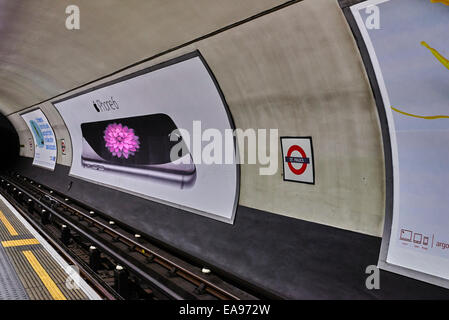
<point x="191" y="276"/>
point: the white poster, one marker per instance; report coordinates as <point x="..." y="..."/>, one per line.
<point x="408" y="44"/>
<point x="137" y="134"/>
<point x="44" y="139"/>
<point x="297" y="157"/>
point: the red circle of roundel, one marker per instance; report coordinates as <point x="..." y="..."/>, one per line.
<point x="303" y="154"/>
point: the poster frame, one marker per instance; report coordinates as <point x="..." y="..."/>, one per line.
<point x="187" y="56"/>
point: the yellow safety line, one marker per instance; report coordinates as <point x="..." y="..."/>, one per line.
<point x="45" y="278"/>
<point x="21" y="242"/>
<point x="421" y="117"/>
<point x="8" y="225"/>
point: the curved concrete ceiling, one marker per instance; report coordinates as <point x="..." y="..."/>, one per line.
<point x="40" y="58"/>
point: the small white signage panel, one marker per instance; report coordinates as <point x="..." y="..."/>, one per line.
<point x="44" y="139"/>
<point x="297" y="158"/>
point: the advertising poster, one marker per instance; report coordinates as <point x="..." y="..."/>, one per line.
<point x="44" y="139"/>
<point x="408" y="44"/>
<point x="144" y="134"/>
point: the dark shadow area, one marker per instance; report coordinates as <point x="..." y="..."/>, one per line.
<point x="10" y="147"/>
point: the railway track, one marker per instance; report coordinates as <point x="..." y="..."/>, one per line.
<point x="116" y="261"/>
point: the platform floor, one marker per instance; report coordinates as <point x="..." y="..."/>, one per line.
<point x="30" y="269"/>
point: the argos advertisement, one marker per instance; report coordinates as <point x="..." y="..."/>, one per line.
<point x="133" y="134"/>
<point x="408" y="44"/>
<point x="44" y="139"/>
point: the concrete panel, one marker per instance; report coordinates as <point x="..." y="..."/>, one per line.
<point x="299" y="70"/>
<point x="61" y="132"/>
<point x="24" y="135"/>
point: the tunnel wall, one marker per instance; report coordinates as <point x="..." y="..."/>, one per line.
<point x="297" y="69"/>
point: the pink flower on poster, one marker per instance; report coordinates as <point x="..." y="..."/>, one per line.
<point x="121" y="141"/>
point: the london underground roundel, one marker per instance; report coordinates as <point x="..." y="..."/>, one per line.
<point x="297" y="156"/>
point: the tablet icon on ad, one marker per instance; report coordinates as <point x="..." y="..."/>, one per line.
<point x="417" y="238"/>
<point x="406" y="235"/>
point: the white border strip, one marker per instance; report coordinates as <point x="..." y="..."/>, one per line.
<point x="355" y="9"/>
<point x="91" y="294"/>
